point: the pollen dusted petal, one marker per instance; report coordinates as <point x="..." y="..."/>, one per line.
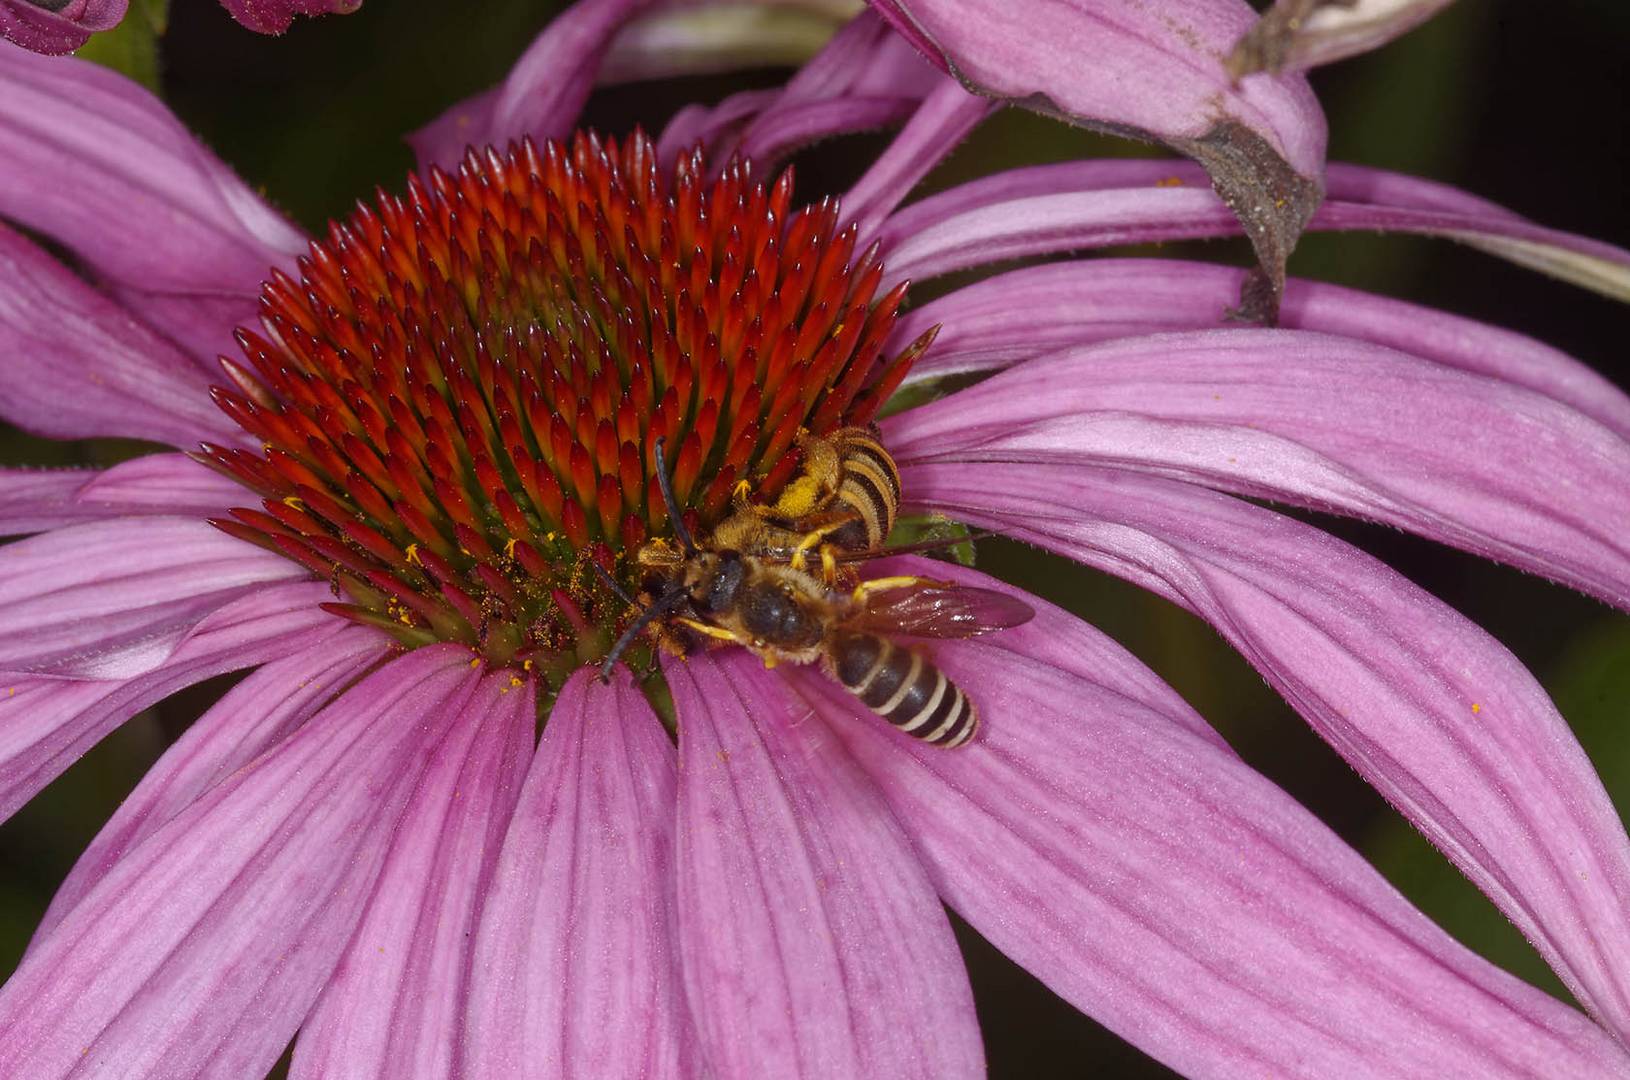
<point x="459" y="400"/>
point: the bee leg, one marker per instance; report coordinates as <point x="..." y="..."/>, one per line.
<point x="709" y="630"/>
<point x="812" y="541"/>
<point x="883" y="584"/>
<point x="829" y="565"/>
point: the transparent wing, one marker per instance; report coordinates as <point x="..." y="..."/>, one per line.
<point x="940" y="609"/>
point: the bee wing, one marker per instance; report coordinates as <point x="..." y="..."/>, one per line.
<point x="941" y="609"/>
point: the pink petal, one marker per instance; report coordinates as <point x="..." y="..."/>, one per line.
<point x="274" y="16"/>
<point x="866" y="77"/>
<point x="109" y="599"/>
<point x="1160" y="885"/>
<point x="1051" y="208"/>
<point x="575" y="969"/>
<point x="78" y="366"/>
<point x="1155" y="72"/>
<point x="946" y="116"/>
<point x="813" y="943"/>
<point x="100" y="165"/>
<point x="544" y="91"/>
<point x="34" y="500"/>
<point x="34" y="26"/>
<point x="1297" y="34"/>
<point x="48" y="721"/>
<point x="1432" y="711"/>
<point x="1317" y="421"/>
<point x="1040" y="309"/>
<point x="202" y="950"/>
<point x="255" y="715"/>
<point x="394" y="1005"/>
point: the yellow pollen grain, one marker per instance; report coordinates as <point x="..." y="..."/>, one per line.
<point x="476" y="662"/>
<point x="293" y="502"/>
<point x="516" y="680"/>
<point x="1476" y="708"/>
<point x="1169" y="181"/>
<point x="526" y="665"/>
<point x="509" y="548"/>
<point x="412" y="553"/>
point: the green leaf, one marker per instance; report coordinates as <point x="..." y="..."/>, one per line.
<point x="131" y="48"/>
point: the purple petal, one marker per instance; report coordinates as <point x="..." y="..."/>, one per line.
<point x="946" y="116"/>
<point x="255" y="715"/>
<point x="865" y="77"/>
<point x="576" y="969"/>
<point x="48" y="721"/>
<point x="544" y="91"/>
<point x="110" y="599"/>
<point x="1432" y="711"/>
<point x="33" y="26"/>
<point x="100" y="165"/>
<point x="274" y="16"/>
<point x="1045" y="209"/>
<point x="994" y="323"/>
<point x="1156" y="72"/>
<point x="1364" y="198"/>
<point x="1297" y="34"/>
<point x="805" y="919"/>
<point x="1317" y="421"/>
<point x="721" y="37"/>
<point x="78" y="366"/>
<point x="1160" y="885"/>
<point x="394" y="1005"/>
<point x="202" y="950"/>
<point x="34" y="500"/>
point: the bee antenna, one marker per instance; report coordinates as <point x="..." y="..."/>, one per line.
<point x="671" y="504"/>
<point x="661" y="606"/>
<point x="610" y="582"/>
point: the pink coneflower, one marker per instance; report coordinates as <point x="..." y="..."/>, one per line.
<point x="443" y="414"/>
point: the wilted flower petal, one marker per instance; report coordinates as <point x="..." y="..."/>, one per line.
<point x="1432" y="711"/>
<point x="1150" y="69"/>
<point x="200" y="953"/>
<point x="802" y="907"/>
<point x="394" y="1005"/>
<point x="576" y="963"/>
<point x="1160" y="885"/>
<point x="34" y="500"/>
<point x="721" y="37"/>
<point x="57" y="28"/>
<point x="1296" y="34"/>
<point x="252" y="717"/>
<point x="993" y="323"/>
<point x="1317" y="421"/>
<point x="80" y="367"/>
<point x="48" y="721"/>
<point x="274" y="16"/>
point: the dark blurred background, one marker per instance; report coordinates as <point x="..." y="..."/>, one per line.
<point x="1522" y="103"/>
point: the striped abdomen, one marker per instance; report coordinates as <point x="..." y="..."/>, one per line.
<point x="870" y="489"/>
<point x="904" y="688"/>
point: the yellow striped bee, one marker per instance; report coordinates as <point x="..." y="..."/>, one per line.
<point x="843" y="501"/>
<point x="733" y="589"/>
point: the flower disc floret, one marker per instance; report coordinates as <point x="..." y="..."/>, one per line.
<point x="458" y="400"/>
